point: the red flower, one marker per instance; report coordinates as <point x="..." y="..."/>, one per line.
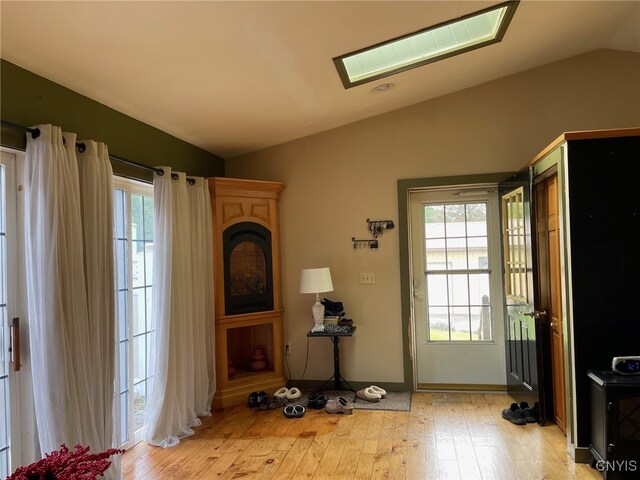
<point x="64" y="464"/>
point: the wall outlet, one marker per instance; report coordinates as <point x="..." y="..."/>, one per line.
<point x="367" y="279"/>
<point x="287" y="349"/>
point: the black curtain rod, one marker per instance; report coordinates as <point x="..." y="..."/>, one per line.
<point x="35" y="133"/>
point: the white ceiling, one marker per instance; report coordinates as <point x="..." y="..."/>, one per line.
<point x="235" y="77"/>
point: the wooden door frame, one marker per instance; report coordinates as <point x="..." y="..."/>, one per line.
<point x="555" y="161"/>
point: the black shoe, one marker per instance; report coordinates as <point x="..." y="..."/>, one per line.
<point x="317" y="400"/>
<point x="263" y="398"/>
<point x="529" y="413"/>
<point x="514" y="414"/>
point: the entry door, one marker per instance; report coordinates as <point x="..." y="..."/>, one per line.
<point x="8" y="398"/>
<point x="457" y="288"/>
<point x="523" y="321"/>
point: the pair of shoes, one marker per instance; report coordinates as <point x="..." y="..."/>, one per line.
<point x="514" y="414"/>
<point x="288" y="393"/>
<point x="273" y="403"/>
<point x="381" y="391"/>
<point x="339" y="405"/>
<point x="317" y="400"/>
<point x="257" y="398"/>
<point x="293" y="411"/>
<point x="530" y="414"/>
<point x="369" y="394"/>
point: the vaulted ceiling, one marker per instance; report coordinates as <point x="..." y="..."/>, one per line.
<point x="234" y="77"/>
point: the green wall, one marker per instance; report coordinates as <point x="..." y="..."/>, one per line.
<point x="28" y="99"/>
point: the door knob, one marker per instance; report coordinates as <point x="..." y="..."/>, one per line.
<point x="536" y="314"/>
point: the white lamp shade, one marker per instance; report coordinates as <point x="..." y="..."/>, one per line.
<point x="316" y="280"/>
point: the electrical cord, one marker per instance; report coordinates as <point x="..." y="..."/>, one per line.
<point x="286" y="361"/>
<point x="306" y="361"/>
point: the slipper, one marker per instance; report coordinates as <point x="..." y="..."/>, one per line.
<point x="293" y="394"/>
<point x="345" y="405"/>
<point x="332" y="406"/>
<point x="273" y="403"/>
<point x="293" y="411"/>
<point x="379" y="390"/>
<point x="368" y="395"/>
<point x="282" y="393"/>
<point x="339" y="405"/>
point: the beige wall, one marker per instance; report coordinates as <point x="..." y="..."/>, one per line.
<point x="339" y="178"/>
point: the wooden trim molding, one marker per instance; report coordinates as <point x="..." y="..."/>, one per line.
<point x="585" y="135"/>
<point x="465" y="387"/>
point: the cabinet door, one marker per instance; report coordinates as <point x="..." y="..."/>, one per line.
<point x="624" y="424"/>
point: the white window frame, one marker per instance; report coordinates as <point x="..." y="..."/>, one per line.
<point x="23" y="448"/>
<point x="130" y="187"/>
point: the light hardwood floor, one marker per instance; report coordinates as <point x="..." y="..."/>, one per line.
<point x="446" y="435"/>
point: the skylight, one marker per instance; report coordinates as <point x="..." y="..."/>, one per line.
<point x="429" y="45"/>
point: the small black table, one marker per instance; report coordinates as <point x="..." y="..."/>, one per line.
<point x="335" y="339"/>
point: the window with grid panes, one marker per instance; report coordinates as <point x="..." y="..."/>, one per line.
<point x="5" y="427"/>
<point x="515" y="261"/>
<point x="133" y="207"/>
<point x="457" y="273"/>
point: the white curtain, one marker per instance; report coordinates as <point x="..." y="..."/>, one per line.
<point x="202" y="271"/>
<point x="182" y="357"/>
<point x="70" y="290"/>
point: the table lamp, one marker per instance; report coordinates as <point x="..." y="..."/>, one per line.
<point x="316" y="280"/>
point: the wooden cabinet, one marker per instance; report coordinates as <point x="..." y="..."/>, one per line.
<point x="615" y="424"/>
<point x="248" y="298"/>
<point x="597" y="260"/>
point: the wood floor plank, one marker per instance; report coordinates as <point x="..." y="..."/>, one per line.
<point x="348" y="463"/>
<point x="365" y="466"/>
<point x="295" y="455"/>
<point x="445" y="435"/>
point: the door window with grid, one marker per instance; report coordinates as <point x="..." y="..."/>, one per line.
<point x="133" y="208"/>
<point x="457" y="273"/>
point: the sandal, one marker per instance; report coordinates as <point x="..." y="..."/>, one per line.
<point x="293" y="411"/>
<point x="368" y="395"/>
<point x="379" y="390"/>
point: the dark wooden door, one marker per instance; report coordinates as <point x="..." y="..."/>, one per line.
<point x="523" y="321"/>
<point x="549" y="292"/>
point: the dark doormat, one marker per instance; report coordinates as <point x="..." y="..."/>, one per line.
<point x="394" y="401"/>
